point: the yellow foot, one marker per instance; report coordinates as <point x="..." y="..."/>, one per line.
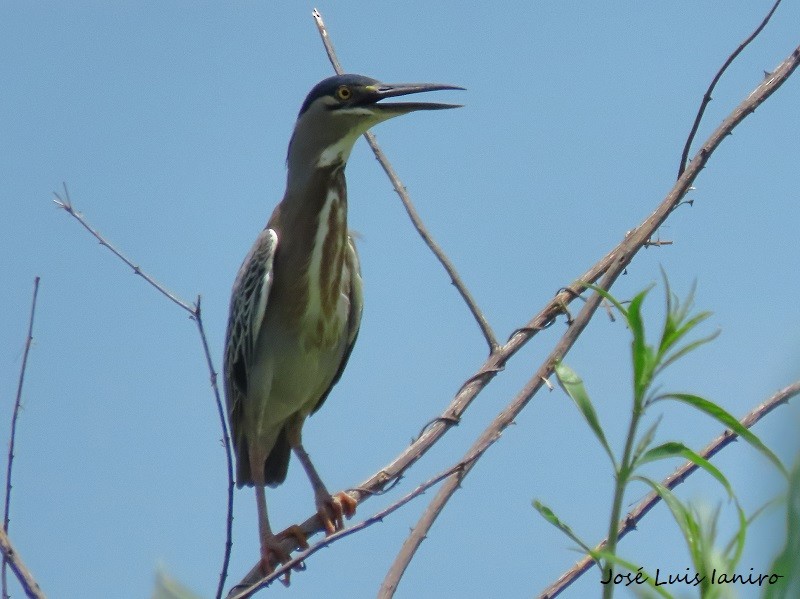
<point x="334" y="509"/>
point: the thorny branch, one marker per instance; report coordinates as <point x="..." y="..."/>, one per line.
<point x="14" y="416"/>
<point x="195" y="313"/>
<point x="630" y="521"/>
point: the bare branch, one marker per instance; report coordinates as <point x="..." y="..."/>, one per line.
<point x="326" y="41"/>
<point x="489" y="435"/>
<point x="625" y="252"/>
<point x="195" y="313"/>
<point x="707" y="96"/>
<point x="630" y="521"/>
<point x="458" y="283"/>
<point x="226" y="443"/>
<point x="24" y="575"/>
<point x="14" y="417"/>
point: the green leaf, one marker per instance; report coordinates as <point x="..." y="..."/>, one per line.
<point x="550" y="516"/>
<point x="573" y="386"/>
<point x="665" y="361"/>
<point x="740" y="537"/>
<point x="674" y="326"/>
<point x="728" y="420"/>
<point x="771" y="504"/>
<point x="641" y="354"/>
<point x="679" y="512"/>
<point x="644" y="441"/>
<point x="674" y="449"/>
<point x="787" y="564"/>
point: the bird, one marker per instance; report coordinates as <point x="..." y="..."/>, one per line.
<point x="296" y="302"/>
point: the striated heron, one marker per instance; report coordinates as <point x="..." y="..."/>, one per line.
<point x="296" y="303"/>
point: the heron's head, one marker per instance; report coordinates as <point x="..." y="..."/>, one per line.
<point x="341" y="108"/>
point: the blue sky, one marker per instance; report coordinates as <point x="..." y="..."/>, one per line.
<point x="169" y="124"/>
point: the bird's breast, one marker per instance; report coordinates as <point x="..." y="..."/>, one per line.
<point x="324" y="318"/>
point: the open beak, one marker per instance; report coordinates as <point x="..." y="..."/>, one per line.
<point x="391" y="90"/>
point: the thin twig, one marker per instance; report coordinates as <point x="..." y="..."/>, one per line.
<point x="326" y="41"/>
<point x="226" y="442"/>
<point x="14" y="417"/>
<point x="632" y="243"/>
<point x="298" y="560"/>
<point x="194" y="311"/>
<point x="630" y="521"/>
<point x="458" y="283"/>
<point x="66" y="203"/>
<point x="707" y="96"/>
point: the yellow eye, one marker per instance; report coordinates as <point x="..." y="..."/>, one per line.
<point x="344" y="93"/>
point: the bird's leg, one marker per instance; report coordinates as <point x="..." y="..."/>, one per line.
<point x="271" y="550"/>
<point x="330" y="509"/>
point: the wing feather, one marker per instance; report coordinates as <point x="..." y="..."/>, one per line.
<point x="247" y="309"/>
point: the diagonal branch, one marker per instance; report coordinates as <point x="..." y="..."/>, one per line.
<point x="66" y="203"/>
<point x="458" y="283"/>
<point x="622" y="256"/>
<point x="630" y="521"/>
<point x="707" y="96"/>
<point x="195" y="313"/>
<point x="498" y="425"/>
<point x="14" y="417"/>
<point x="26" y="579"/>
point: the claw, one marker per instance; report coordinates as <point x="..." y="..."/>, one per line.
<point x="272" y="553"/>
<point x="333" y="509"/>
<point x="348" y="504"/>
<point x="295" y="532"/>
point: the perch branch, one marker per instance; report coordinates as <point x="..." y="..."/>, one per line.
<point x="298" y="560"/>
